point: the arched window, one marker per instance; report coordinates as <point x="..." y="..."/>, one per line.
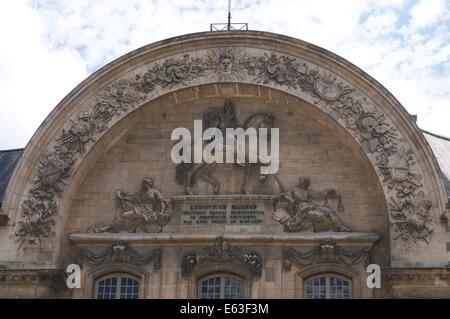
<point x="117" y="286"/>
<point x="328" y="287"/>
<point x="222" y="286"/>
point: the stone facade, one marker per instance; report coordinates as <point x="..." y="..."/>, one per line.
<point x="97" y="187"/>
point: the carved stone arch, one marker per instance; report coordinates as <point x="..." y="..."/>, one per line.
<point x="355" y="100"/>
<point x="102" y="270"/>
<point x="95" y="272"/>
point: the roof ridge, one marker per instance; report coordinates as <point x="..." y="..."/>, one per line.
<point x="436" y="135"/>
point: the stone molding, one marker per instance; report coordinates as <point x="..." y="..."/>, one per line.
<point x="86" y="239"/>
<point x="55" y="279"/>
<point x="408" y="274"/>
<point x="222" y="197"/>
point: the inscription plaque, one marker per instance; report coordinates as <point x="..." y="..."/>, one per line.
<point x="224" y="212"/>
<point x="221" y="214"/>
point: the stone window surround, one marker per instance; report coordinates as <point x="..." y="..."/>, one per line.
<point x="326" y="269"/>
<point x="96" y="273"/>
<point x="218" y="269"/>
<point x="190" y="284"/>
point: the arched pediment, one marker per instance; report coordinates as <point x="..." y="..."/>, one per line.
<point x="36" y="198"/>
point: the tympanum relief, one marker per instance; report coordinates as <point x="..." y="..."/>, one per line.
<point x="370" y="127"/>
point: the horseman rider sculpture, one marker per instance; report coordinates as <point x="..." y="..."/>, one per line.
<point x="223" y="119"/>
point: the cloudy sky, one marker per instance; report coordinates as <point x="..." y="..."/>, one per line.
<point x="48" y="46"/>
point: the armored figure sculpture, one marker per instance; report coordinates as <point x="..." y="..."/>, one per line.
<point x="221" y="118"/>
<point x="303" y="209"/>
<point x="146" y="211"/>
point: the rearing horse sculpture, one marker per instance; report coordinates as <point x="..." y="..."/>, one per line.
<point x="187" y="173"/>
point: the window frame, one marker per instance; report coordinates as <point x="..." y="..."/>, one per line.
<point x="210" y="269"/>
<point x="91" y="274"/>
<point x="328" y="277"/>
<point x="119" y="276"/>
<point x="352" y="274"/>
<point x="222" y="276"/>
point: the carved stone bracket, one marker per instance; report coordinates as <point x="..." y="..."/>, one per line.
<point x="222" y="252"/>
<point x="327" y="252"/>
<point x="122" y="253"/>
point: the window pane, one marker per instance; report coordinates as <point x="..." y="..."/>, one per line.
<point x="129" y="288"/>
<point x="233" y="288"/>
<point x="222" y="287"/>
<point x="338" y="288"/>
<point x="108" y="288"/>
<point x="210" y="288"/>
<point x="316" y="288"/>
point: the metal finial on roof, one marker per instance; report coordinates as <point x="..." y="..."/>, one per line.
<point x="228" y="26"/>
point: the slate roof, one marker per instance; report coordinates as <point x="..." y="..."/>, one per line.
<point x="8" y="161"/>
<point x="439" y="144"/>
<point x="441" y="149"/>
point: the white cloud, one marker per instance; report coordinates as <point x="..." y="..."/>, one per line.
<point x="33" y="78"/>
<point x="381" y="24"/>
<point x="427" y="12"/>
<point x="49" y="46"/>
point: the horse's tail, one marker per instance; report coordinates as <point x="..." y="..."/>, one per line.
<point x="181" y="173"/>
